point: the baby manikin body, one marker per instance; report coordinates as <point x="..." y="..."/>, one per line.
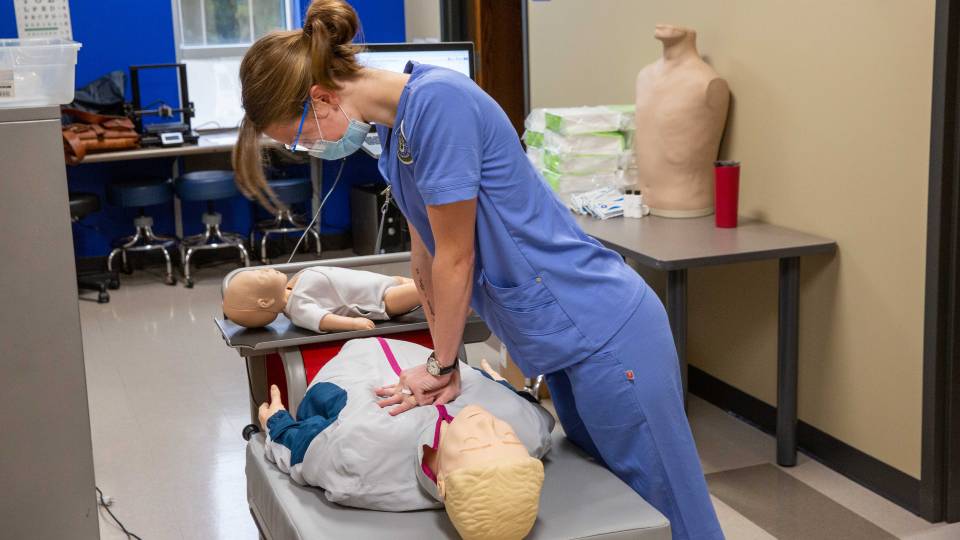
<point x="319" y="298"/>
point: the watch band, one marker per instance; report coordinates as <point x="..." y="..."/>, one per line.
<point x="442" y="370"/>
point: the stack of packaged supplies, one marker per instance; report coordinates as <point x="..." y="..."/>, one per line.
<point x="581" y="149"/>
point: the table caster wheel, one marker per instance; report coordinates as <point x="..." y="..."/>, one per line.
<point x="189" y="283"/>
<point x="114" y="283"/>
<point x="103" y="297"/>
<point x="169" y="280"/>
<point x="127" y="270"/>
<point x="250" y="430"/>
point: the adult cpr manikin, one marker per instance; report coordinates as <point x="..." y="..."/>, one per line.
<point x="478" y="455"/>
<point x="318" y="298"/>
<point x="681" y="112"/>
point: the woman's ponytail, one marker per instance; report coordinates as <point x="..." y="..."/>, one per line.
<point x="248" y="167"/>
<point x="330" y="27"/>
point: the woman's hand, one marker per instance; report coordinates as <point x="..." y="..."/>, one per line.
<point x="419" y="387"/>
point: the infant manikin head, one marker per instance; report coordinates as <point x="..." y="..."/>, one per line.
<point x="489" y="483"/>
<point x="254" y="297"/>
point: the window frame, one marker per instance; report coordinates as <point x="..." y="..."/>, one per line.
<point x="188" y="52"/>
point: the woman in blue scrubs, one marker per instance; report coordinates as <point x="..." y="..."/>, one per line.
<point x="488" y="233"/>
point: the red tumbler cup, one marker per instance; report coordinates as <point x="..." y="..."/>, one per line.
<point x="727" y="193"/>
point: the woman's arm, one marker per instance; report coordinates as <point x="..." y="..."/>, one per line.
<point x="454" y="227"/>
<point x="445" y="283"/>
<point x="421" y="263"/>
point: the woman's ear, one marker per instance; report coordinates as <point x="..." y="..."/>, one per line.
<point x="441" y="488"/>
<point x="324" y="95"/>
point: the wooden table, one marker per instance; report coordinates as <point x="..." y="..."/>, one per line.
<point x="675" y="245"/>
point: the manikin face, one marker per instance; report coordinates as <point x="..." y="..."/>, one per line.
<point x="476" y="438"/>
<point x="669" y="32"/>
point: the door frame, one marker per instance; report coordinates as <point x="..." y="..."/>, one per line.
<point x="940" y="454"/>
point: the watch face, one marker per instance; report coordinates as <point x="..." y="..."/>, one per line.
<point x="433" y="367"/>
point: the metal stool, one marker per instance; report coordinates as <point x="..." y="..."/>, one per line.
<point x="82" y="205"/>
<point x="289" y="191"/>
<point x="208" y="186"/>
<point x="140" y="194"/>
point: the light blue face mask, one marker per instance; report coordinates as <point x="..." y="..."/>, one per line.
<point x="351" y="141"/>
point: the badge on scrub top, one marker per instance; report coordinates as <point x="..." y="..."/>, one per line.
<point x="403" y="149"/>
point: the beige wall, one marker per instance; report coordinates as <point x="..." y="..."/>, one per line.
<point x="422" y="18"/>
<point x="831" y="120"/>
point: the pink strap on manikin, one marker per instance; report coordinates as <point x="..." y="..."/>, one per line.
<point x="389" y="354"/>
<point x="442" y="414"/>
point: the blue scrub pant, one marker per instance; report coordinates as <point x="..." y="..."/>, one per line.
<point x="624" y="406"/>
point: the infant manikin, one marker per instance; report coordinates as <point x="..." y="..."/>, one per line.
<point x="477" y="456"/>
<point x="319" y="298"/>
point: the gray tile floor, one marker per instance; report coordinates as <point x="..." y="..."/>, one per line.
<point x="168" y="401"/>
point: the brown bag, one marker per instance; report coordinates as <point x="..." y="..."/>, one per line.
<point x="96" y="133"/>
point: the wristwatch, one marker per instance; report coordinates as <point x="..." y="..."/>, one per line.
<point x="434" y="368"/>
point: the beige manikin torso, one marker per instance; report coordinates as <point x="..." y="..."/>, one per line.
<point x="681" y="111"/>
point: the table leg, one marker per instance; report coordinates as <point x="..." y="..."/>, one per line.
<point x="177" y="209"/>
<point x="257" y="379"/>
<point x="677" y="311"/>
<point x="787" y="353"/>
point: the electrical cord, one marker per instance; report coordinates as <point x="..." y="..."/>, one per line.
<point x="106" y="507"/>
<point x="317" y="215"/>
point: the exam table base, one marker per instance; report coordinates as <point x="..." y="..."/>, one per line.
<point x="581" y="499"/>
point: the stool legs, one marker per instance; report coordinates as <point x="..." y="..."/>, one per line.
<point x="285" y="222"/>
<point x="144" y="239"/>
<point x="211" y="238"/>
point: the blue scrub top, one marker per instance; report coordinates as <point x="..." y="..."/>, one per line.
<point x="551" y="293"/>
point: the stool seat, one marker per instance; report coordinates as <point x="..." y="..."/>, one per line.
<point x="292" y="190"/>
<point x="206" y="186"/>
<point x="140" y="192"/>
<point x="83" y="204"/>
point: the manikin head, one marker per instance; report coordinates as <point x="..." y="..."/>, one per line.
<point x="488" y="482"/>
<point x="670" y="34"/>
<point x="254" y="297"/>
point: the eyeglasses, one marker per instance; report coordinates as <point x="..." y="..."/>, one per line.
<point x="295" y="147"/>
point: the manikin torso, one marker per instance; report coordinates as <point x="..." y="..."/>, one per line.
<point x="369" y="459"/>
<point x="681" y="112"/>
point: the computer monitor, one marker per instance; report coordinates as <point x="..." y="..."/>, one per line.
<point x="215" y="88"/>
<point x="457" y="56"/>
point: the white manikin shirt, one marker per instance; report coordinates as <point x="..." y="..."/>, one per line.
<point x="320" y="290"/>
<point x="368" y="459"/>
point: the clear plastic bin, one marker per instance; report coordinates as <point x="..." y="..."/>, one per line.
<point x="37" y="72"/>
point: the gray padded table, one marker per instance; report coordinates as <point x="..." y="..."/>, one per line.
<point x="581" y="499"/>
<point x="674" y="245"/>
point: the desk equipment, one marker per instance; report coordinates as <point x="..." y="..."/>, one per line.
<point x="458" y="56"/>
<point x="208" y="186"/>
<point x="166" y="133"/>
<point x="455" y="55"/>
<point x="581" y="499"/>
